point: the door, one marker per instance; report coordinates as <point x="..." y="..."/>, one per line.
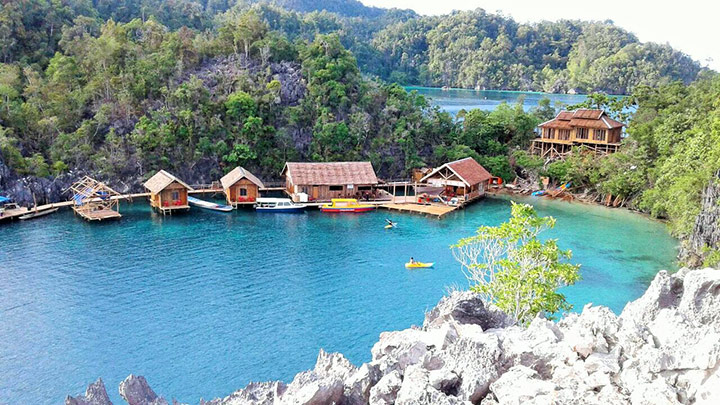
<point x="315" y="192"/>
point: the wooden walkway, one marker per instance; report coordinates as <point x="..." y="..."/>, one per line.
<point x="14" y="213"/>
<point x="433" y="209"/>
<point x="9" y="214"/>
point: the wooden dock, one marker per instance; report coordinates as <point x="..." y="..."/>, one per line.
<point x="432" y="209"/>
<point x="10" y="214"/>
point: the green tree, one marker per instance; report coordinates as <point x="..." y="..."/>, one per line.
<point x="509" y="266"/>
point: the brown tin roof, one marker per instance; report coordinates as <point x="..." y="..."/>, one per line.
<point x="330" y="173"/>
<point x="582" y="118"/>
<point x="468" y="170"/>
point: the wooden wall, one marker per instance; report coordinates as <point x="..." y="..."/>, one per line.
<point x="326" y="192"/>
<point x="234" y="193"/>
<point x="160" y="199"/>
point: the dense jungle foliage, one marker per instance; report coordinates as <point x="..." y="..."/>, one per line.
<point x="463" y="49"/>
<point x="671" y="152"/>
<point x="124" y="99"/>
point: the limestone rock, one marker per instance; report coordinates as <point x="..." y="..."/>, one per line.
<point x="253" y="394"/>
<point x="136" y="391"/>
<point x="95" y="394"/>
<point x="385" y="391"/>
<point x="322" y="385"/>
<point x="521" y="385"/>
<point x="466" y="308"/>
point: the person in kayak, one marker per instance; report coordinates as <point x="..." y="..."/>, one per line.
<point x="412" y="261"/>
<point x="391" y="223"/>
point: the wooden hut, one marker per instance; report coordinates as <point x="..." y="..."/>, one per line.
<point x="325" y="181"/>
<point x="167" y="192"/>
<point x="95" y="201"/>
<point x="590" y="128"/>
<point x="464" y="178"/>
<point x="241" y="187"/>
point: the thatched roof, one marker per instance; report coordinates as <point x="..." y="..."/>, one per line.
<point x="238" y="174"/>
<point x="330" y="173"/>
<point x="161" y="180"/>
<point x="468" y="170"/>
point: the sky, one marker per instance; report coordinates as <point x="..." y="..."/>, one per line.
<point x="692" y="26"/>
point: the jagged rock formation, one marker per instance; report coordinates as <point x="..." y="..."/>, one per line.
<point x="663" y="349"/>
<point x="706" y="232"/>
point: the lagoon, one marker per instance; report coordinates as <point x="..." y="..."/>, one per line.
<point x="203" y="303"/>
<point x="454" y="100"/>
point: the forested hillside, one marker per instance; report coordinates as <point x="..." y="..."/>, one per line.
<point x="463" y="49"/>
<point x="119" y="89"/>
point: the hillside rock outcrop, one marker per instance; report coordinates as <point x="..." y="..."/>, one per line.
<point x="706" y="232"/>
<point x="664" y="348"/>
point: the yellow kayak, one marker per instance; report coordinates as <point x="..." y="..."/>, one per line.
<point x="418" y="265"/>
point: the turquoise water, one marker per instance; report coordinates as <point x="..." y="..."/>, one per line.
<point x="454" y="100"/>
<point x="203" y="303"/>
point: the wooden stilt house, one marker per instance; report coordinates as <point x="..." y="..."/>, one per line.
<point x="167" y="192"/>
<point x="592" y="129"/>
<point x="95" y="201"/>
<point x="241" y="187"/>
<point x="328" y="180"/>
<point x="465" y="179"/>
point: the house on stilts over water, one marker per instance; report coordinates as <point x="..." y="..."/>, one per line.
<point x="167" y="192"/>
<point x="592" y="129"/>
<point x="464" y="179"/>
<point x="94" y="200"/>
<point x="328" y="180"/>
<point x="241" y="187"/>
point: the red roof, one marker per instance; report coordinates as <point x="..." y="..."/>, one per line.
<point x="565" y="115"/>
<point x="582" y="118"/>
<point x="469" y="170"/>
<point x="330" y="173"/>
<point x="588" y="114"/>
<point x="556" y="123"/>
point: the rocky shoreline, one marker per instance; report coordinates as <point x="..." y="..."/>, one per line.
<point x="664" y="348"/>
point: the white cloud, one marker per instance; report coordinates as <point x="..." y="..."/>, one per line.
<point x="692" y="26"/>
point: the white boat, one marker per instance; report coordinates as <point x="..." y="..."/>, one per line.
<point x="278" y="205"/>
<point x="35" y="214"/>
<point x="209" y="205"/>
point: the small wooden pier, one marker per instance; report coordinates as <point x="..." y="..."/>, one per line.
<point x="12" y="213"/>
<point x="425" y="209"/>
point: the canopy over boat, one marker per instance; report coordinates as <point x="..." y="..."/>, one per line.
<point x="278" y="205"/>
<point x="272" y="200"/>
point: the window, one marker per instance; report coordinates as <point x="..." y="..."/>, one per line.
<point x="243" y="192"/>
<point x="549" y="133"/>
<point x="564" y="134"/>
<point x="599" y="135"/>
<point x="175" y="195"/>
<point x="336" y="188"/>
<point x="581" y="133"/>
